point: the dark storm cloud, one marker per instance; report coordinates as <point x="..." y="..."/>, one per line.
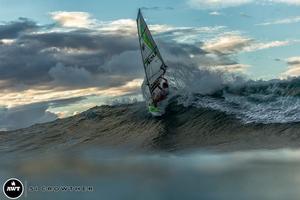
<point x="277" y="59"/>
<point x="42" y="59"/>
<point x="14" y="29"/>
<point x="182" y="49"/>
<point x="294" y="62"/>
<point x="192" y="55"/>
<point x="80" y="58"/>
<point x="30" y="59"/>
<point x="63" y="75"/>
<point x="124" y="63"/>
<point x="87" y="39"/>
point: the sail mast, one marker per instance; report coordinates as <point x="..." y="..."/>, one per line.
<point x="148" y="83"/>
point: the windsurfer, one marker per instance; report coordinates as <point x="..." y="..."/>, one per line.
<point x="162" y="93"/>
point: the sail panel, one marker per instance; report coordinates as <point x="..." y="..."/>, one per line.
<point x="154" y="65"/>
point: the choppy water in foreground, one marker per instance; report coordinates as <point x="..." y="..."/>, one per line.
<point x="121" y="175"/>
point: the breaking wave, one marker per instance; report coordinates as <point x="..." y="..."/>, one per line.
<point x="273" y="101"/>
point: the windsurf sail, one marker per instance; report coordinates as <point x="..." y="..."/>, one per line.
<point x="153" y="62"/>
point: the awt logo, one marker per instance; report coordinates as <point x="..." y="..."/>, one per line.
<point x="13" y="188"/>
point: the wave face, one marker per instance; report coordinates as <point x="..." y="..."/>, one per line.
<point x="130" y="126"/>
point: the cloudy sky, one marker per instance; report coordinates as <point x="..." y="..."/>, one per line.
<point x="58" y="58"/>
